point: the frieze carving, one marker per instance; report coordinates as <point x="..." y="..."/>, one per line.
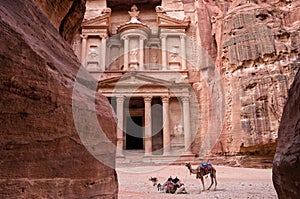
<point x="99" y="31"/>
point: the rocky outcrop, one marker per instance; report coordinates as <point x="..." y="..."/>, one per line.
<point x="257" y="46"/>
<point x="42" y="155"/>
<point x="66" y="16"/>
<point x="286" y="167"/>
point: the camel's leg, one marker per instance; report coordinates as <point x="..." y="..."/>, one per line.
<point x="202" y="183"/>
<point x="212" y="180"/>
<point x="215" y="176"/>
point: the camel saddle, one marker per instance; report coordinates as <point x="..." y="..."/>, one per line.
<point x="206" y="168"/>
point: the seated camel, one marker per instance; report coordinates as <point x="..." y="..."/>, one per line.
<point x="172" y="185"/>
<point x="156" y="183"/>
<point x="203" y="170"/>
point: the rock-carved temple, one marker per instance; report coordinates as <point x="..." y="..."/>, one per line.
<point x="192" y="76"/>
<point x="139" y="57"/>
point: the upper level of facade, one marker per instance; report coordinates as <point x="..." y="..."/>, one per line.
<point x="118" y="36"/>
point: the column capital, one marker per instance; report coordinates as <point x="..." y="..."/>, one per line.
<point x="120" y="99"/>
<point x="125" y="37"/>
<point x="182" y="36"/>
<point x="142" y="38"/>
<point x="84" y="36"/>
<point x="103" y="36"/>
<point x="163" y="36"/>
<point x="147" y="99"/>
<point x="165" y="99"/>
<point x="185" y="98"/>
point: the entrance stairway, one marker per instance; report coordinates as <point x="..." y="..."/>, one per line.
<point x="138" y="158"/>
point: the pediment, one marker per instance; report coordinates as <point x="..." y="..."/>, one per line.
<point x="134" y="79"/>
<point x="165" y="21"/>
<point x="100" y="22"/>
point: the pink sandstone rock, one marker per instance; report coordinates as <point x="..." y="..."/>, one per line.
<point x="41" y="153"/>
<point x="286" y="167"/>
<point x="257" y="43"/>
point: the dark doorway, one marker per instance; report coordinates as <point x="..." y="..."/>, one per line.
<point x="157" y="127"/>
<point x="134" y="132"/>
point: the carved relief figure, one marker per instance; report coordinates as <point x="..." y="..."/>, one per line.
<point x="178" y="130"/>
<point x="93" y="57"/>
<point x="173" y="54"/>
<point x="134" y="13"/>
<point x="153" y="56"/>
<point x="93" y="54"/>
<point x="133" y="54"/>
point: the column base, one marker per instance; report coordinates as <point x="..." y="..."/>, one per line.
<point x="120" y="156"/>
<point x="188" y="154"/>
<point x="167" y="154"/>
<point x="148" y="155"/>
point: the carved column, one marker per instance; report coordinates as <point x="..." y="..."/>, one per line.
<point x="186" y="124"/>
<point x="103" y="52"/>
<point x="126" y="51"/>
<point x="83" y="49"/>
<point x="166" y="125"/>
<point x="141" y="54"/>
<point x="183" y="52"/>
<point x="164" y="51"/>
<point x="148" y="126"/>
<point x="120" y="116"/>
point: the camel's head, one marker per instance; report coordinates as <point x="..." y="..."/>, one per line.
<point x="187" y="164"/>
<point x="153" y="179"/>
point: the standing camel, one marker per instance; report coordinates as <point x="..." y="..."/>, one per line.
<point x="202" y="171"/>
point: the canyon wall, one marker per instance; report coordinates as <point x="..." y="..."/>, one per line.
<point x="42" y="155"/>
<point x="256" y="53"/>
<point x="286" y="167"/>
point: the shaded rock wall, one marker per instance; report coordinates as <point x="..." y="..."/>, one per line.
<point x="286" y="167"/>
<point x="66" y="16"/>
<point x="41" y="153"/>
<point x="257" y="46"/>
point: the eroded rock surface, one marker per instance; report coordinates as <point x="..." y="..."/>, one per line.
<point x="66" y="16"/>
<point x="257" y="46"/>
<point x="41" y="153"/>
<point x="286" y="167"/>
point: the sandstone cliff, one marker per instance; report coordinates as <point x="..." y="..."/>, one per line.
<point x="286" y="167"/>
<point x="41" y="153"/>
<point x="256" y="51"/>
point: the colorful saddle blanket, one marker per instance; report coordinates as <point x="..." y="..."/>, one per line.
<point x="206" y="168"/>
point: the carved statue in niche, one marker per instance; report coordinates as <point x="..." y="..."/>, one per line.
<point x="153" y="59"/>
<point x="93" y="54"/>
<point x="153" y="56"/>
<point x="93" y="57"/>
<point x="178" y="130"/>
<point x="133" y="55"/>
<point x="173" y="54"/>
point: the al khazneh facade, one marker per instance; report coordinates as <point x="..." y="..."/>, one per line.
<point x="139" y="57"/>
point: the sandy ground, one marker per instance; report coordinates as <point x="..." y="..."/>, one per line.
<point x="233" y="182"/>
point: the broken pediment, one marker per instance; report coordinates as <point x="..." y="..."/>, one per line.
<point x="165" y="21"/>
<point x="100" y="22"/>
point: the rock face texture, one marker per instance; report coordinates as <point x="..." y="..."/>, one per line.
<point x="286" y="167"/>
<point x="66" y="16"/>
<point x="41" y="153"/>
<point x="256" y="51"/>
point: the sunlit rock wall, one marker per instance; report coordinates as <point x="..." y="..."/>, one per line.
<point x="256" y="51"/>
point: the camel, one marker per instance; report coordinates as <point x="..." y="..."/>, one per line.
<point x="202" y="171"/>
<point x="156" y="183"/>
